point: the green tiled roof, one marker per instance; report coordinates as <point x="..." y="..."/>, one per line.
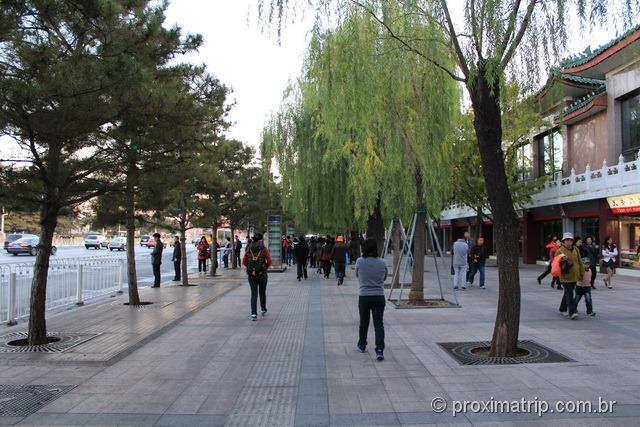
<point x="579" y="103"/>
<point x="588" y="54"/>
<point x="574" y="78"/>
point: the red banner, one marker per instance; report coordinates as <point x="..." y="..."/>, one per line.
<point x="626" y="210"/>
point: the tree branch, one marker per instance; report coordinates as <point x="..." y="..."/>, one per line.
<point x="462" y="62"/>
<point x="516" y="41"/>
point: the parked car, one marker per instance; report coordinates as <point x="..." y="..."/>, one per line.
<point x="118" y="243"/>
<point x="10" y="239"/>
<point x="27" y="245"/>
<point x="144" y="240"/>
<point x="95" y="241"/>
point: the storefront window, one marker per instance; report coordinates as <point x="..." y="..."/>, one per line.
<point x="588" y="227"/>
<point x="548" y="229"/>
<point x="631" y="122"/>
<point x="550" y="152"/>
<point x="629" y="241"/>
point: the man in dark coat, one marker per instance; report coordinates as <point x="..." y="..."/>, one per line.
<point x="238" y="249"/>
<point x="301" y="253"/>
<point x="156" y="260"/>
<point x="338" y="256"/>
<point x="176" y="258"/>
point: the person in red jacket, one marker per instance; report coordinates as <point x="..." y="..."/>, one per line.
<point x="203" y="253"/>
<point x="552" y="248"/>
<point x="257" y="259"/>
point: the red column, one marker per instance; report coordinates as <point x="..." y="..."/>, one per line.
<point x="608" y="223"/>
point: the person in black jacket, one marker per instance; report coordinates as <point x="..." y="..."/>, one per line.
<point x="590" y="250"/>
<point x="177" y="258"/>
<point x="301" y="253"/>
<point x="477" y="259"/>
<point x="338" y="257"/>
<point x="238" y="248"/>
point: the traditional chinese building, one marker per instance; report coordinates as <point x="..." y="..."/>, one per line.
<point x="588" y="153"/>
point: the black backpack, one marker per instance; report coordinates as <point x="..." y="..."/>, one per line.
<point x="256" y="265"/>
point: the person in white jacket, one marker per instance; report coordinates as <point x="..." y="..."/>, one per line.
<point x="609" y="254"/>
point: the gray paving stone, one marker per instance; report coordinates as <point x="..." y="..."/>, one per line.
<point x="191" y="420"/>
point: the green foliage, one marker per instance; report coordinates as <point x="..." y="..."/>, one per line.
<point x="365" y="116"/>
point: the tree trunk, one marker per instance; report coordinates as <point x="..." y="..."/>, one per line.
<point x="130" y="207"/>
<point x="485" y="98"/>
<point x="37" y="329"/>
<point x="395" y="238"/>
<point x="183" y="253"/>
<point x="355" y="237"/>
<point x="419" y="241"/>
<point x="375" y="226"/>
<point x="214" y="251"/>
<point x="479" y="224"/>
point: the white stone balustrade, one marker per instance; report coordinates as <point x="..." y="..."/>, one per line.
<point x="615" y="180"/>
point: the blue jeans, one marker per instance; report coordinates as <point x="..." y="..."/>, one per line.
<point x="340" y="268"/>
<point x="474" y="269"/>
<point x="586" y="291"/>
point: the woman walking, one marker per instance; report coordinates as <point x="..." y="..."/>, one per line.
<point x="552" y="248"/>
<point x="371" y="272"/>
<point x="609" y="254"/>
<point x="203" y="253"/>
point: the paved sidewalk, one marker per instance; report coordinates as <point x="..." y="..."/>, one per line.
<point x="298" y="365"/>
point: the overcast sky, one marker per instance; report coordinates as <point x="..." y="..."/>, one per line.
<point x="253" y="64"/>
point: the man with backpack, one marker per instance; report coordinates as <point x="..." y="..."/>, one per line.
<point x="257" y="259"/>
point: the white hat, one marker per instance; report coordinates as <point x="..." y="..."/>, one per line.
<point x="566" y="236"/>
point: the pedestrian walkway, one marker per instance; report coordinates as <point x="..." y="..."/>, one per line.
<point x="298" y="364"/>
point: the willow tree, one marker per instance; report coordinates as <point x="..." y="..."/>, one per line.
<point x="491" y="38"/>
<point x="375" y="120"/>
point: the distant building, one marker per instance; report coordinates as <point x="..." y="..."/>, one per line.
<point x="589" y="154"/>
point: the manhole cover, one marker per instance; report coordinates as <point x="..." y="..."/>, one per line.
<point x="63" y="343"/>
<point x="475" y="353"/>
<point x="427" y="303"/>
<point x="24" y="400"/>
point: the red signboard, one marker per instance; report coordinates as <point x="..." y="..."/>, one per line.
<point x="626" y="210"/>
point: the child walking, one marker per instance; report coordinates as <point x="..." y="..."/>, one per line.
<point x="583" y="287"/>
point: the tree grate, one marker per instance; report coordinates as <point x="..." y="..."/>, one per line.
<point x="64" y="343"/>
<point x="471" y="353"/>
<point x="426" y="303"/>
<point x="24" y="400"/>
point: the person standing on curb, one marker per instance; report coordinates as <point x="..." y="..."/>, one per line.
<point x="156" y="260"/>
<point x="460" y="264"/>
<point x="478" y="256"/>
<point x="203" y="253"/>
<point x="176" y="258"/>
<point x="371" y="272"/>
<point x="301" y="253"/>
<point x="571" y="271"/>
<point x="257" y="259"/>
<point x="338" y="257"/>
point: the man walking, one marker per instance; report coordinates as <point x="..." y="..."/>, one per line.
<point x="478" y="255"/>
<point x="156" y="260"/>
<point x="460" y="263"/>
<point x="338" y="256"/>
<point x="227" y="252"/>
<point x="469" y="241"/>
<point x="177" y="258"/>
<point x="301" y="253"/>
<point x="257" y="259"/>
<point x="572" y="271"/>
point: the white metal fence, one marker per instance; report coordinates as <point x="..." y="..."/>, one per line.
<point x="70" y="281"/>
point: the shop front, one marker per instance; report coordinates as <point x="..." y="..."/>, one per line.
<point x="627" y="219"/>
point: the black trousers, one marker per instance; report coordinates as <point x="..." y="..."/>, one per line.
<point x="368" y="305"/>
<point x="176" y="267"/>
<point x="238" y="260"/>
<point x="312" y="260"/>
<point x="569" y="298"/>
<point x="202" y="265"/>
<point x="156" y="275"/>
<point x="302" y="269"/>
<point x="258" y="286"/>
<point x="225" y="260"/>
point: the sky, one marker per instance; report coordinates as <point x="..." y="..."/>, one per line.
<point x="255" y="66"/>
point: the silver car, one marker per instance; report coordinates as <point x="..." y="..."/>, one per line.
<point x="118" y="243"/>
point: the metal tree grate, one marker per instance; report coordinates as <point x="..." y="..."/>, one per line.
<point x="65" y="342"/>
<point x="463" y="353"/>
<point x="426" y="303"/>
<point x="24" y="400"/>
